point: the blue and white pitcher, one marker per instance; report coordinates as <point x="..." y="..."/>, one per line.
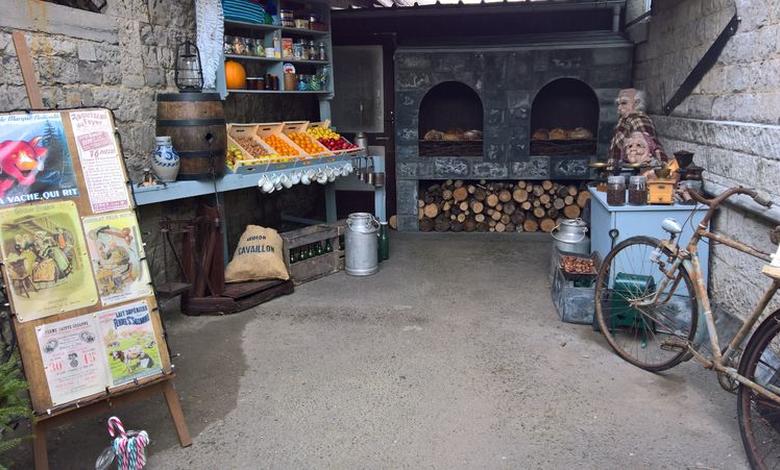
<point x="165" y="160"/>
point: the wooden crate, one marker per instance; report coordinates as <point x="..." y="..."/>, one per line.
<point x="275" y="128"/>
<point x="341" y="227"/>
<point x="300" y="127"/>
<point x="318" y="266"/>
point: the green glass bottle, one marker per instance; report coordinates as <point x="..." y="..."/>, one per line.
<point x="328" y="246"/>
<point x="310" y="252"/>
<point x="318" y="248"/>
<point x="293" y="257"/>
<point x="384" y="242"/>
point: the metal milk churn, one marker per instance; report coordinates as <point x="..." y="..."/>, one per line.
<point x="361" y="244"/>
<point x="570" y="236"/>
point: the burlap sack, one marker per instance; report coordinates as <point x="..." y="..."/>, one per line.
<point x="258" y="256"/>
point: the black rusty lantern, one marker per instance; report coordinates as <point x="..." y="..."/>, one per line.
<point x="189" y="74"/>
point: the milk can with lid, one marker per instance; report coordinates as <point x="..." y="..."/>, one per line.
<point x="571" y="236"/>
<point x="361" y="244"/>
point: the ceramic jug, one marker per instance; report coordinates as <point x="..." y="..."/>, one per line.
<point x="165" y="160"/>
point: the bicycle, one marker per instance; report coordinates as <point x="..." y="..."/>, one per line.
<point x="649" y="294"/>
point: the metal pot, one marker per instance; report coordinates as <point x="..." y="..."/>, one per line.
<point x="570" y="235"/>
<point x="361" y="244"/>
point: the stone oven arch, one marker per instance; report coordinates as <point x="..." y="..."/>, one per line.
<point x="564" y="104"/>
<point x="451" y="115"/>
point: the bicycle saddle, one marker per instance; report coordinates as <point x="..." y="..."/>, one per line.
<point x="671" y="226"/>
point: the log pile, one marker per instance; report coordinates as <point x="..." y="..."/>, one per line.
<point x="522" y="206"/>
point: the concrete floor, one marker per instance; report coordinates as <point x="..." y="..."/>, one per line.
<point x="452" y="356"/>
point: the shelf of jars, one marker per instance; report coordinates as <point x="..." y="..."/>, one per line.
<point x="285" y="53"/>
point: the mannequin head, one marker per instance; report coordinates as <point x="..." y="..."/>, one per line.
<point x="639" y="148"/>
<point x="629" y="101"/>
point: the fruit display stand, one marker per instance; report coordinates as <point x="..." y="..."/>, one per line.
<point x="296" y="132"/>
<point x="332" y="140"/>
<point x="247" y="152"/>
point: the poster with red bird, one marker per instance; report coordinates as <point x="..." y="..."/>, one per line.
<point x="35" y="163"/>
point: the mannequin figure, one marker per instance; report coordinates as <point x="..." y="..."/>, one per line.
<point x="632" y="118"/>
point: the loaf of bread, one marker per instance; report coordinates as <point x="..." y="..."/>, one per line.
<point x="558" y="134"/>
<point x="579" y="133"/>
<point x="454" y="134"/>
<point x="541" y="134"/>
<point x="433" y="134"/>
<point x="473" y="134"/>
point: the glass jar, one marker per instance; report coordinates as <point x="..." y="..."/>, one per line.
<point x="298" y="51"/>
<point x="616" y="190"/>
<point x="312" y="50"/>
<point x="637" y="190"/>
<point x="228" y="45"/>
<point x="322" y="55"/>
<point x="259" y="48"/>
<point x="239" y="45"/>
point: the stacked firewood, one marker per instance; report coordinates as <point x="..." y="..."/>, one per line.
<point x="522" y="206"/>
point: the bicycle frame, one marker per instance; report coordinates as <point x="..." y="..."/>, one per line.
<point x="688" y="258"/>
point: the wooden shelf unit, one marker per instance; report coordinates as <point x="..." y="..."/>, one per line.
<point x="257" y="66"/>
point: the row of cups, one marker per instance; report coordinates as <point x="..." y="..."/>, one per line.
<point x="271" y="182"/>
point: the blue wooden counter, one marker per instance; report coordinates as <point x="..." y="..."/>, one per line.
<point x="631" y="221"/>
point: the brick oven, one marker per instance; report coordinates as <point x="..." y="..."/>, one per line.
<point x="489" y="101"/>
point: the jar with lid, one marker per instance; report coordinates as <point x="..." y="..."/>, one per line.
<point x="239" y="45"/>
<point x="616" y="190"/>
<point x="228" y="45"/>
<point x="298" y="51"/>
<point x="322" y="55"/>
<point x="637" y="190"/>
<point x="312" y="50"/>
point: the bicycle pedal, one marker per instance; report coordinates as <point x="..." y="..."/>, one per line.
<point x="674" y="344"/>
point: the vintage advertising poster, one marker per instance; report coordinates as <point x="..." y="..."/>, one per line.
<point x="35" y="163"/>
<point x="117" y="255"/>
<point x="130" y="345"/>
<point x="100" y="159"/>
<point x="45" y="259"/>
<point x="72" y="358"/>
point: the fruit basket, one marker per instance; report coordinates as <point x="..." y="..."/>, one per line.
<point x="273" y="137"/>
<point x="296" y="132"/>
<point x="330" y="139"/>
<point x="578" y="267"/>
<point x="247" y="152"/>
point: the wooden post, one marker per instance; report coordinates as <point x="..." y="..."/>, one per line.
<point x="28" y="72"/>
<point x="177" y="415"/>
<point x="40" y="454"/>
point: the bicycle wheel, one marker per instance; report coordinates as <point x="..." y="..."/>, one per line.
<point x="759" y="417"/>
<point x="650" y="335"/>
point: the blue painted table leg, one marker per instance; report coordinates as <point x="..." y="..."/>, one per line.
<point x="330" y="203"/>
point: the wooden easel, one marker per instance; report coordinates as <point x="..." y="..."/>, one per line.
<point x="106" y="401"/>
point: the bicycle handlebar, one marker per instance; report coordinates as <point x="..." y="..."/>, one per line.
<point x="759" y="198"/>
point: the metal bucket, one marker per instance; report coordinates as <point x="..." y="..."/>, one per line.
<point x="361" y="244"/>
<point x="570" y="236"/>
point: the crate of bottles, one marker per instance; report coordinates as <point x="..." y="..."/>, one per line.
<point x="311" y="252"/>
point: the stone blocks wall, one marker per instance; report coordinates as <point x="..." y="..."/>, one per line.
<point x="729" y="121"/>
<point x="119" y="59"/>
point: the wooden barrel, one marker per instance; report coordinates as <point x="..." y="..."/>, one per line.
<point x="196" y="124"/>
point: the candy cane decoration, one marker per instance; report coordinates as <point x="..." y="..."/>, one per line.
<point x="129" y="450"/>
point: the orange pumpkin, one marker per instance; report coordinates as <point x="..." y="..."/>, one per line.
<point x="235" y="75"/>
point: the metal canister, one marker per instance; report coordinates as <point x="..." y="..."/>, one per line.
<point x="361" y="244"/>
<point x="570" y="236"/>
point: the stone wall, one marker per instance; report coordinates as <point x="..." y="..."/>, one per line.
<point x="730" y="120"/>
<point x="119" y="59"/>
